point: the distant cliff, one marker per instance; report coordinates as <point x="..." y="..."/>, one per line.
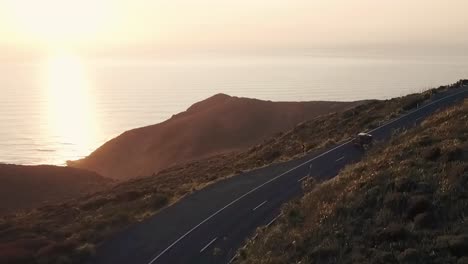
<point x="216" y="125"/>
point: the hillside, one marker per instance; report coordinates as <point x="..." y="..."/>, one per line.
<point x="219" y="124"/>
<point x="69" y="231"/>
<point x="26" y="187"/>
<point x="406" y="202"/>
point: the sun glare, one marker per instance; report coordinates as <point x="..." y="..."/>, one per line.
<point x="70" y="104"/>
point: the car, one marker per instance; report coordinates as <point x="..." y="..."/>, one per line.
<point x="363" y="140"/>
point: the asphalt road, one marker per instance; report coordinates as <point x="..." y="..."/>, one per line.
<point x="209" y="226"/>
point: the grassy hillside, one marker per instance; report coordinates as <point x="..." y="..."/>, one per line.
<point x="219" y="124"/>
<point x="70" y="231"/>
<point x="406" y="202"/>
<point x="26" y="187"/>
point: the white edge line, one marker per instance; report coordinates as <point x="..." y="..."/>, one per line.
<point x="245" y="194"/>
<point x="209" y="244"/>
<point x="256" y="235"/>
<point x="273" y="220"/>
<point x="284" y="173"/>
<point x="258" y="206"/>
<point x="416" y="110"/>
<point x="233" y="258"/>
<point x="303" y="178"/>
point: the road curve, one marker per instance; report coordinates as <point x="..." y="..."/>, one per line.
<point x="208" y="226"/>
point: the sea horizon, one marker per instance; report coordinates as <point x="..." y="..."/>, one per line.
<point x="122" y="94"/>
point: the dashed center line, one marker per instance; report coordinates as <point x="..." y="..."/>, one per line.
<point x="348" y="141"/>
<point x="207" y="245"/>
<point x="258" y="206"/>
<point x="342" y="158"/>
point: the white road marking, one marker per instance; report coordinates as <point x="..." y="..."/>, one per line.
<point x="303" y="178"/>
<point x="233" y="258"/>
<point x="207" y="245"/>
<point x="258" y="206"/>
<point x="350" y="140"/>
<point x="273" y="220"/>
<point x="242" y="196"/>
<point x="342" y="158"/>
<point x="416" y="110"/>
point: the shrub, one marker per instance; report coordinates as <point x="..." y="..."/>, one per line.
<point x="412" y="101"/>
<point x="432" y="154"/>
<point x="84" y="252"/>
<point x="62" y="248"/>
<point x="128" y="196"/>
<point x="396" y="202"/>
<point x="271" y="155"/>
<point x="393" y="232"/>
<point x="418" y="204"/>
<point x="158" y="201"/>
<point x="295" y="216"/>
<point x="94" y="203"/>
<point x="456" y="154"/>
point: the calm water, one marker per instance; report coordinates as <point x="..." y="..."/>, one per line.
<point x="62" y="108"/>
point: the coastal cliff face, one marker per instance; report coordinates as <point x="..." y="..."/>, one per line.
<point x="219" y="124"/>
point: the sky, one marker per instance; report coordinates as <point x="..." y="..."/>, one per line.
<point x="146" y="27"/>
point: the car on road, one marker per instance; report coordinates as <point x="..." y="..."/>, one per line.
<point x="363" y="140"/>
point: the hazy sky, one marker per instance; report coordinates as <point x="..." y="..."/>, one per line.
<point x="158" y="26"/>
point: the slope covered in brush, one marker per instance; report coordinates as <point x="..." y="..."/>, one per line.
<point x="406" y="202"/>
<point x="26" y="187"/>
<point x="219" y="124"/>
<point x="70" y="231"/>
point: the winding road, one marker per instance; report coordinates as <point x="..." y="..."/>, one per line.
<point x="209" y="225"/>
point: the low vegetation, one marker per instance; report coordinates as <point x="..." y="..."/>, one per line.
<point x="69" y="232"/>
<point x="219" y="124"/>
<point x="27" y="187"/>
<point x="406" y="202"/>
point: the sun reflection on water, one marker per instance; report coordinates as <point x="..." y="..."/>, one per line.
<point x="70" y="107"/>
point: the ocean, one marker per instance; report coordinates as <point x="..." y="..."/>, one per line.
<point x="63" y="107"/>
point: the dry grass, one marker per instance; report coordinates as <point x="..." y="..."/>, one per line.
<point x="27" y="187"/>
<point x="406" y="202"/>
<point x="219" y="124"/>
<point x="69" y="232"/>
